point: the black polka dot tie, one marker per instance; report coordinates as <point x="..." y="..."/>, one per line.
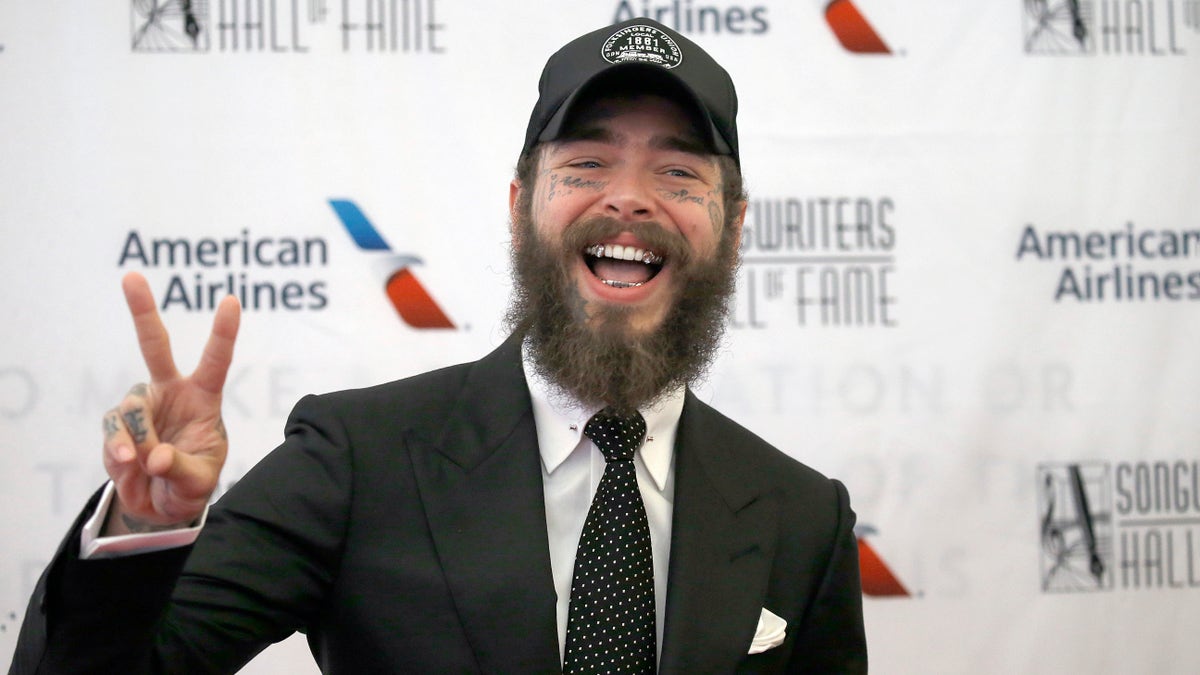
<point x="610" y="627"/>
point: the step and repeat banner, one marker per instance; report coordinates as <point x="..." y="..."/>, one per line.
<point x="970" y="285"/>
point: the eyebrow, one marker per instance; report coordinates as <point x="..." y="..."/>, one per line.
<point x="688" y="144"/>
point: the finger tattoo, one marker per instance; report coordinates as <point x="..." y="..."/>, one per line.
<point x="139" y="389"/>
<point x="111" y="425"/>
<point x="136" y="421"/>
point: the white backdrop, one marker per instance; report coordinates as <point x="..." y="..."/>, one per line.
<point x="970" y="287"/>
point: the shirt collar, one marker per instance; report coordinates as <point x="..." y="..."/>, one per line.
<point x="560" y="420"/>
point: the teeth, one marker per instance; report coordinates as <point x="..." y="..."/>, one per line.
<point x="621" y="284"/>
<point x="618" y="252"/>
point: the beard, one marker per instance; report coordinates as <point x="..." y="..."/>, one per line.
<point x="598" y="359"/>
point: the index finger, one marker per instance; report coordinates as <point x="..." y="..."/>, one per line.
<point x="152" y="335"/>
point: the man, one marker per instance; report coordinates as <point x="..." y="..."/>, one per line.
<point x="561" y="503"/>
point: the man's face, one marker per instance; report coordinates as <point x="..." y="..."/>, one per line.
<point x="632" y="188"/>
<point x="630" y="176"/>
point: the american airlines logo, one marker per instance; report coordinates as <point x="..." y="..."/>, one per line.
<point x="852" y="29"/>
<point x="878" y="580"/>
<point x="408" y="296"/>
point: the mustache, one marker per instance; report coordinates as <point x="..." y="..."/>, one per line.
<point x="669" y="244"/>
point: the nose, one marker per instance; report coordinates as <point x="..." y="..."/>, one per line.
<point x="629" y="197"/>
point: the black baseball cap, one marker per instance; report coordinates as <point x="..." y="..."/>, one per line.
<point x="647" y="54"/>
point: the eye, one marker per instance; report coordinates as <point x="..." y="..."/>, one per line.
<point x="585" y="164"/>
<point x="680" y="173"/>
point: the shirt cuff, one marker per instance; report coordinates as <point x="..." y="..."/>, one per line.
<point x="93" y="546"/>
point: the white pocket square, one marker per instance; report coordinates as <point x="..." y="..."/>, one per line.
<point x="770" y="632"/>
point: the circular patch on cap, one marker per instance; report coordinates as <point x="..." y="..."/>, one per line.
<point x="642" y="44"/>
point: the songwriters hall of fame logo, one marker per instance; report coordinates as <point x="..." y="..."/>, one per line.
<point x="169" y="25"/>
<point x="286" y="26"/>
<point x="1110" y="27"/>
<point x="1132" y="525"/>
<point x="1075" y="506"/>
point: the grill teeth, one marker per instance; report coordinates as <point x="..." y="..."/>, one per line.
<point x="601" y="251"/>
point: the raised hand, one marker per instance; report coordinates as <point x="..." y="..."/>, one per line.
<point x="165" y="444"/>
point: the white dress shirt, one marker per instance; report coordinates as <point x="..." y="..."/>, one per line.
<point x="571" y="469"/>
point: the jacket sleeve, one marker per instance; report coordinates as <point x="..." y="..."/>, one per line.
<point x="832" y="638"/>
<point x="257" y="573"/>
<point x="73" y="595"/>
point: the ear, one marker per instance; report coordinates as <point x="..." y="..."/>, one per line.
<point x="514" y="196"/>
<point x="736" y="225"/>
<point x="514" y="193"/>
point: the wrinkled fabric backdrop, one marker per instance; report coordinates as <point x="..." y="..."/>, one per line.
<point x="970" y="279"/>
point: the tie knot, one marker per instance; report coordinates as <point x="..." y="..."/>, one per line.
<point x="617" y="435"/>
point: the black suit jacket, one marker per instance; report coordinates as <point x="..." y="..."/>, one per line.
<point x="402" y="528"/>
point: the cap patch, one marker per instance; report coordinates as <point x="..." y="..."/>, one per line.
<point x="642" y="44"/>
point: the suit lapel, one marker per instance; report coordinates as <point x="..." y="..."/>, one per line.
<point x="481" y="484"/>
<point x="722" y="543"/>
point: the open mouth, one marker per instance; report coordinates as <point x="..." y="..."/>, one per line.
<point x="622" y="266"/>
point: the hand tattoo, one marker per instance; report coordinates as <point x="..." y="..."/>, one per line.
<point x="111" y="425"/>
<point x="135" y="420"/>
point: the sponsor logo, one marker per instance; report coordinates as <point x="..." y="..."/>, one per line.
<point x="691" y="17"/>
<point x="1129" y="264"/>
<point x="264" y="272"/>
<point x="1110" y="27"/>
<point x="272" y="272"/>
<point x="169" y="25"/>
<point x="1124" y="525"/>
<point x="408" y="296"/>
<point x="642" y="44"/>
<point x="286" y="26"/>
<point x="818" y="262"/>
<point x="1075" y="511"/>
<point x="852" y="29"/>
<point x="878" y="580"/>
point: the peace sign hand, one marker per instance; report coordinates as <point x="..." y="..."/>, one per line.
<point x="165" y="444"/>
